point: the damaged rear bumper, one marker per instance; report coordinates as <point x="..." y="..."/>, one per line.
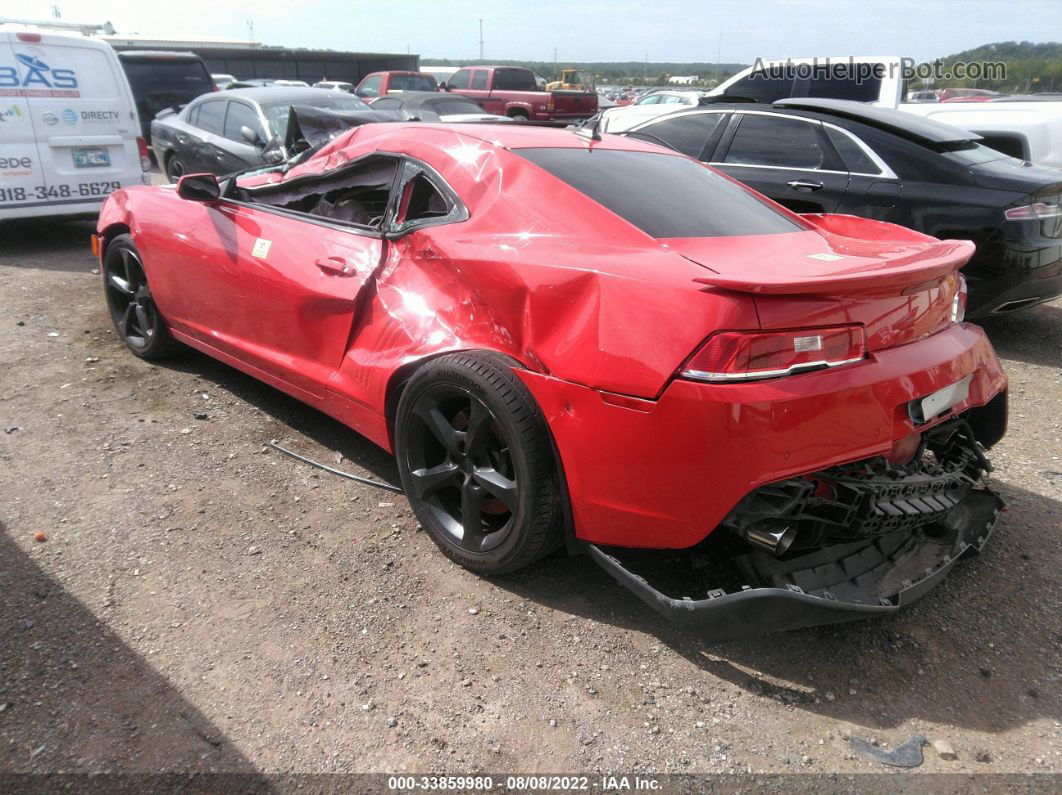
<point x="860" y="540"/>
<point x="755" y="611"/>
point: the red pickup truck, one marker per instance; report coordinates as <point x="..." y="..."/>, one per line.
<point x="512" y="91"/>
<point x="378" y="84"/>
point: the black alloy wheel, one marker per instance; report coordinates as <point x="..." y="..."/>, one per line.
<point x="476" y="463"/>
<point x="133" y="311"/>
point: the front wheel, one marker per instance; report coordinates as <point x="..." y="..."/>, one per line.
<point x="133" y="311"/>
<point x="477" y="463"/>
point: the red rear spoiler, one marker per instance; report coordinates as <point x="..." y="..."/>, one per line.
<point x="859" y="255"/>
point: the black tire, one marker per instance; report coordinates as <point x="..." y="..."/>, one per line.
<point x="477" y="464"/>
<point x="519" y="115"/>
<point x="134" y="314"/>
<point x="174" y="168"/>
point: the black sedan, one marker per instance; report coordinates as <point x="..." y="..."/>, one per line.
<point x="835" y="156"/>
<point x="222" y="133"/>
<point x="436" y="105"/>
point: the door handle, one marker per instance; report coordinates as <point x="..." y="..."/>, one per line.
<point x="804" y="184"/>
<point x="337" y="266"/>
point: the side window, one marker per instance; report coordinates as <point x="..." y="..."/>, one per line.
<point x="855" y="159"/>
<point x="387" y="103"/>
<point x="652" y="99"/>
<point x="241" y="115"/>
<point x="776" y="141"/>
<point x="479" y="80"/>
<point x="460" y="78"/>
<point x="423" y="202"/>
<point x="370" y="86"/>
<point x="514" y="80"/>
<point x="764" y="85"/>
<point x="358" y="193"/>
<point x="688" y="134"/>
<point x="193" y="115"/>
<point x="212" y="116"/>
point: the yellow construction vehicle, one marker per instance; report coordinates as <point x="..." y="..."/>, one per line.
<point x="570" y="80"/>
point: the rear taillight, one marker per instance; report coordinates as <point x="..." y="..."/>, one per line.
<point x="958" y="303"/>
<point x="1037" y="211"/>
<point x="551" y="104"/>
<point x="145" y="156"/>
<point x="753" y="355"/>
<point x="33" y="38"/>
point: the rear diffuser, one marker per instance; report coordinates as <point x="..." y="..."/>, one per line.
<point x="844" y="582"/>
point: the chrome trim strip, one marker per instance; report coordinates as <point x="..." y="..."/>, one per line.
<point x="701" y="375"/>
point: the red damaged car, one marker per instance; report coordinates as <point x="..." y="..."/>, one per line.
<point x="755" y="420"/>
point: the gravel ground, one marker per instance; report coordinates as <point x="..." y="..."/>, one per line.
<point x="204" y="604"/>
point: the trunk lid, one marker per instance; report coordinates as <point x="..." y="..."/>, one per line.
<point x="897" y="283"/>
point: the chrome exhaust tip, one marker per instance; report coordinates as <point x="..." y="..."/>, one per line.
<point x="775" y="537"/>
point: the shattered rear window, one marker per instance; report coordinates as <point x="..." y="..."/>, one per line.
<point x="663" y="195"/>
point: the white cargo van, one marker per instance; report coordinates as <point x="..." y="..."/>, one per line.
<point x="68" y="125"/>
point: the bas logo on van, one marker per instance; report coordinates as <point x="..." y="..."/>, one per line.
<point x="38" y="79"/>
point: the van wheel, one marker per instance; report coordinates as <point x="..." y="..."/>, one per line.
<point x="174" y="168"/>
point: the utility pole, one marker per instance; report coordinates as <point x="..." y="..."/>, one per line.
<point x="250" y="30"/>
<point x="718" y="58"/>
<point x="556" y="73"/>
<point x="645" y="69"/>
<point x="481" y="39"/>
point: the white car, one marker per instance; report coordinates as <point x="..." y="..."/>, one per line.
<point x="335" y="85"/>
<point x="650" y="106"/>
<point x="69" y="132"/>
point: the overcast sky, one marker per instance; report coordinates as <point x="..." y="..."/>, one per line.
<point x="588" y="30"/>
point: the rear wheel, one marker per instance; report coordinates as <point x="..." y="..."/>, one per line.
<point x="477" y="464"/>
<point x="519" y="115"/>
<point x="133" y="311"/>
<point x="174" y="168"/>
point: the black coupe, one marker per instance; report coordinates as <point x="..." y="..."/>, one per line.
<point x="837" y="156"/>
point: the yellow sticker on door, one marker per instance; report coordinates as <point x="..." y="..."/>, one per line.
<point x="261" y="248"/>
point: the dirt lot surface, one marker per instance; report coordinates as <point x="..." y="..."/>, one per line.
<point x="203" y="604"/>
